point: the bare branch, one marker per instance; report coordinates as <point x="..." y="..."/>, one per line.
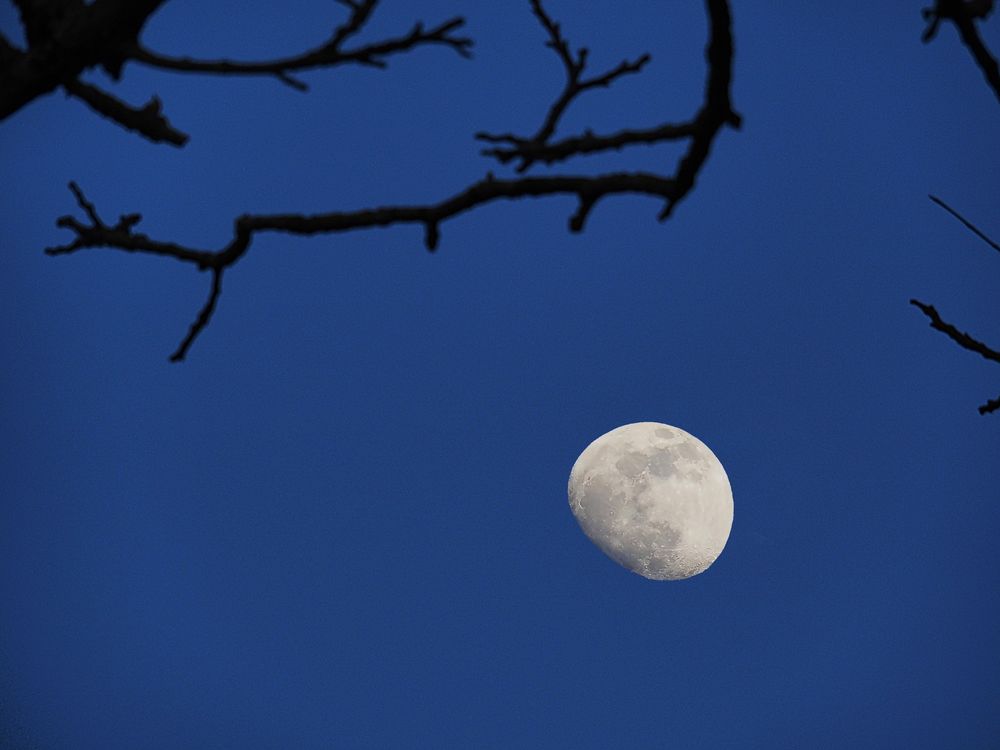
<point x="588" y="190"/>
<point x="964" y="340"/>
<point x="971" y="227"/>
<point x="549" y="153"/>
<point x="328" y="54"/>
<point x="959" y="337"/>
<point x="963" y="14"/>
<point x="89" y="35"/>
<point x="717" y="110"/>
<point x="67" y="37"/>
<point x="147" y="121"/>
<point x="990" y="406"/>
<point x="536" y="148"/>
<point x="203" y="319"/>
<point x="119" y="236"/>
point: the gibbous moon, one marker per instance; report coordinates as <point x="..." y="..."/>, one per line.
<point x="654" y="499"/>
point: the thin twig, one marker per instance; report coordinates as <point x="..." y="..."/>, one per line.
<point x="203" y="319"/>
<point x="588" y="143"/>
<point x="536" y="147"/>
<point x="969" y="225"/>
<point x="328" y="54"/>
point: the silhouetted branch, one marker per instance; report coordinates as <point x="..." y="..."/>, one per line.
<point x="147" y="121"/>
<point x="328" y="54"/>
<point x="67" y="37"/>
<point x="588" y="190"/>
<point x="959" y="337"/>
<point x="964" y="340"/>
<point x="971" y="227"/>
<point x="548" y="153"/>
<point x="536" y="148"/>
<point x="990" y="406"/>
<point x="964" y="13"/>
<point x="204" y="316"/>
<point x="119" y="236"/>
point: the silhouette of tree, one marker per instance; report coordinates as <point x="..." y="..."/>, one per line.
<point x="964" y="14"/>
<point x="67" y="37"/>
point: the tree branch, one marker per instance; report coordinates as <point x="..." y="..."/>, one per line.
<point x="204" y="316"/>
<point x="588" y="190"/>
<point x="147" y="121"/>
<point x="549" y="153"/>
<point x="969" y="225"/>
<point x="67" y="37"/>
<point x="328" y="54"/>
<point x="87" y="36"/>
<point x="963" y="14"/>
<point x="964" y="340"/>
<point x="990" y="406"/>
<point x="536" y="148"/>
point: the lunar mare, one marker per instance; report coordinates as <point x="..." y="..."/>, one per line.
<point x="654" y="499"/>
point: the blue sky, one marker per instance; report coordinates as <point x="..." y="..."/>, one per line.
<point x="343" y="521"/>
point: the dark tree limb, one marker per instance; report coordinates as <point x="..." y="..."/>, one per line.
<point x="68" y="37"/>
<point x="328" y="54"/>
<point x="963" y="339"/>
<point x="963" y="14"/>
<point x="530" y="152"/>
<point x="87" y="36"/>
<point x="990" y="406"/>
<point x="148" y="121"/>
<point x="588" y="190"/>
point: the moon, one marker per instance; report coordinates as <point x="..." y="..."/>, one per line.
<point x="654" y="499"/>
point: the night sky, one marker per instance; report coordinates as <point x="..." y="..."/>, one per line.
<point x="342" y="522"/>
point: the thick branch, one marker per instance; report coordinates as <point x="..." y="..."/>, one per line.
<point x="717" y="110"/>
<point x="964" y="13"/>
<point x="8" y="52"/>
<point x="147" y="121"/>
<point x="89" y="35"/>
<point x="328" y="54"/>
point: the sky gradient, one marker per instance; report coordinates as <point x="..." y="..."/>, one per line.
<point x="343" y="522"/>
